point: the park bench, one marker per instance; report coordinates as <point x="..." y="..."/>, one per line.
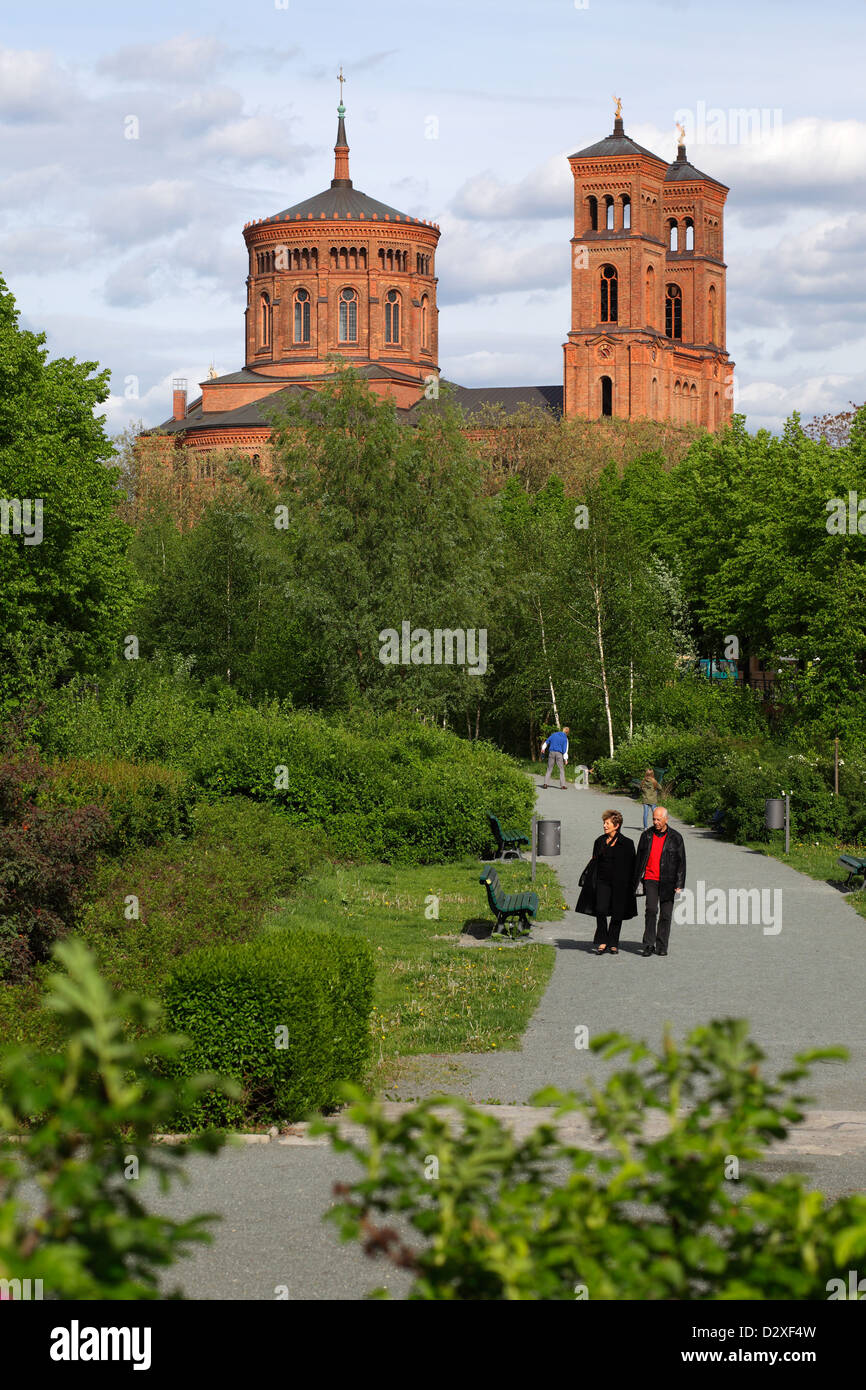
<point x="505" y="905"/>
<point x="856" y="868"/>
<point x="508" y="842"/>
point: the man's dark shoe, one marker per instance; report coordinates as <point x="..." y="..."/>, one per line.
<point x="647" y="951"/>
<point x="661" y="952"/>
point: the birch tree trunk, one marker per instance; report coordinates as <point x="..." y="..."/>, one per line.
<point x="596" y="598"/>
<point x="547" y="664"/>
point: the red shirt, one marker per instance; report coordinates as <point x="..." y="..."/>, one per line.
<point x="652" y="865"/>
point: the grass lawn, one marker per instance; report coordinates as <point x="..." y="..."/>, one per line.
<point x="433" y="994"/>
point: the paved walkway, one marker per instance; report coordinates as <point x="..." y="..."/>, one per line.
<point x="800" y="987"/>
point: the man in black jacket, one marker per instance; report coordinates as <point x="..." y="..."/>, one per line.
<point x="661" y="865"/>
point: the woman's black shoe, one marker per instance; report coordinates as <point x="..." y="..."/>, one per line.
<point x="598" y="950"/>
<point x="613" y="950"/>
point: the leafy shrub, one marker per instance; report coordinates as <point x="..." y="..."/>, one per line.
<point x="145" y="802"/>
<point x="70" y="1120"/>
<point x="539" y="1218"/>
<point x="231" y="1001"/>
<point x="46" y="859"/>
<point x="741" y="784"/>
<point x="382" y="787"/>
<point x="686" y="757"/>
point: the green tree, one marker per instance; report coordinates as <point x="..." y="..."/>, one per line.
<point x="67" y="596"/>
<point x="387" y="525"/>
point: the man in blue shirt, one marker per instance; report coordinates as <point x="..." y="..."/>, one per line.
<point x="557" y="754"/>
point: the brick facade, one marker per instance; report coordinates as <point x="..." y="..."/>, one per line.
<point x="643" y="228"/>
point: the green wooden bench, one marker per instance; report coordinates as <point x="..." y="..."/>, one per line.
<point x="856" y="868"/>
<point x="505" y="905"/>
<point x="508" y="842"/>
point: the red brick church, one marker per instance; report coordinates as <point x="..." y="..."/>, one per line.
<point x="342" y="274"/>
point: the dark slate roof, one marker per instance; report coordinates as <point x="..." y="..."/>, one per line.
<point x="511" y="398"/>
<point x="341" y="202"/>
<point x="254" y="413"/>
<point x="681" y="171"/>
<point x="616" y="144"/>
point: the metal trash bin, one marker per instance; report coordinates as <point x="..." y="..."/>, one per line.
<point x="774" y="813"/>
<point x="547" y="837"/>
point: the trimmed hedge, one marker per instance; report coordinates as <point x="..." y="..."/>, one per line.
<point x="145" y="802"/>
<point x="230" y="1001"/>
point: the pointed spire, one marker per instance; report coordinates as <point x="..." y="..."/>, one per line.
<point x="341" y="149"/>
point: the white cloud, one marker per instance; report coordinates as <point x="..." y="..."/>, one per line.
<point x="261" y="138"/>
<point x="547" y="191"/>
<point x="141" y="213"/>
<point x="174" y="60"/>
<point x="32" y="87"/>
<point x="469" y="267"/>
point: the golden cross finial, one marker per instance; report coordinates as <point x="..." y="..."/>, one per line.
<point x="341" y="79"/>
<point x="618" y="101"/>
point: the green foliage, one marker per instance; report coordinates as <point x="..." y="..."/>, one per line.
<point x="145" y="802"/>
<point x="381" y="787"/>
<point x="66" y="599"/>
<point x="70" y="1123"/>
<point x="647" y="1219"/>
<point x="46" y="859"/>
<point x="744" y="779"/>
<point x="212" y="887"/>
<point x="233" y="1002"/>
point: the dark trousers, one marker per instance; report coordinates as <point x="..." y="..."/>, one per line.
<point x="664" y="911"/>
<point x="606" y="935"/>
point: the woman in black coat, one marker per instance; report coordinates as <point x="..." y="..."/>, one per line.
<point x="607" y="885"/>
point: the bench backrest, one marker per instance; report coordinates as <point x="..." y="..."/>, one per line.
<point x="490" y="879"/>
<point x="497" y="830"/>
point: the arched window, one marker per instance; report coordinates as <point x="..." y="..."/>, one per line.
<point x="673" y="235"/>
<point x="606" y="396"/>
<point x="649" y="307"/>
<point x="392" y="317"/>
<point x="711" y="313"/>
<point x="626" y="211"/>
<point x="592" y="212"/>
<point x="348" y="330"/>
<point x="265" y="320"/>
<point x="715" y="410"/>
<point x="425" y="329"/>
<point x="690" y="234"/>
<point x="302" y="316"/>
<point x="654" y="398"/>
<point x="608" y="215"/>
<point x="693" y="404"/>
<point x="674" y="312"/>
<point x="609" y="307"/>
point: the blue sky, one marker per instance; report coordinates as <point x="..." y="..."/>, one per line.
<point x="130" y="252"/>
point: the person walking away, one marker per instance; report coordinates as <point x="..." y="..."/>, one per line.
<point x="661" y="867"/>
<point x="649" y="790"/>
<point x="608" y="885"/>
<point x="557" y="754"/>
